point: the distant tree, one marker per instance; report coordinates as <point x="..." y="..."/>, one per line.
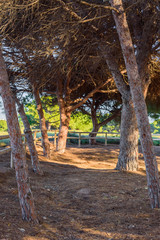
<point x="101" y="110"/>
<point x="70" y="98"/>
<point x="51" y="112"/>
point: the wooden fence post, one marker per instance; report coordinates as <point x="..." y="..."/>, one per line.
<point x="55" y="139"/>
<point x="79" y="140"/>
<point x="35" y="135"/>
<point x="11" y="162"/>
<point x="105" y="138"/>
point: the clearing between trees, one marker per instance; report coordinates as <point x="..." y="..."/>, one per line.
<point x="80" y="197"/>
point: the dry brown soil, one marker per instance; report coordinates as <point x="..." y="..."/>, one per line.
<point x="80" y="197"/>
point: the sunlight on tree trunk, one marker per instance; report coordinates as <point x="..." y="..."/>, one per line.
<point x="29" y="137"/>
<point x="63" y="132"/>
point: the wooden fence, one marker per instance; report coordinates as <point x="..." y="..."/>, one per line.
<point x="8" y="149"/>
<point x="81" y="136"/>
<point x="85" y="135"/>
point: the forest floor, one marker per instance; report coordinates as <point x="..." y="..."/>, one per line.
<point x="80" y="197"/>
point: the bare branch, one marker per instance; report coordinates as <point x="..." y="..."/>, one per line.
<point x="98" y="6"/>
<point x="78" y="86"/>
<point x="115" y="114"/>
<point x="108" y="91"/>
<point x="93" y="19"/>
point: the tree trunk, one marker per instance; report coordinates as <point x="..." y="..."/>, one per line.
<point x="45" y="140"/>
<point x="64" y="114"/>
<point x="95" y="126"/>
<point x="63" y="132"/>
<point x="128" y="156"/>
<point x="18" y="153"/>
<point x="29" y="137"/>
<point x="139" y="103"/>
<point x="94" y="134"/>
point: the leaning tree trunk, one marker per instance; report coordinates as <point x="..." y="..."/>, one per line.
<point x="63" y="132"/>
<point x="45" y="140"/>
<point x="18" y="153"/>
<point x="139" y="103"/>
<point x="29" y="137"/>
<point x="128" y="156"/>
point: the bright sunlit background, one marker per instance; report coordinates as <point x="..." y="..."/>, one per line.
<point x="2" y="114"/>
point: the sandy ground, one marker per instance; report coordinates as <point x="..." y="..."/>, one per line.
<point x="80" y="197"/>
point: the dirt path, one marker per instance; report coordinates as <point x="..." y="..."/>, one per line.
<point x="80" y="197"/>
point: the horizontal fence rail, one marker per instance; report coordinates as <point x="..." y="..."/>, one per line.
<point x="81" y="136"/>
<point x="105" y="136"/>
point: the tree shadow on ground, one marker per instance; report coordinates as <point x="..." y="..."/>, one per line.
<point x="81" y="203"/>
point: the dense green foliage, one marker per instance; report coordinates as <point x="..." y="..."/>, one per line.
<point x="3" y="125"/>
<point x="155" y="126"/>
<point x="112" y="126"/>
<point x="80" y="121"/>
<point x="154" y="114"/>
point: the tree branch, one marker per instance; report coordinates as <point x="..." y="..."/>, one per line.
<point x="72" y="108"/>
<point x="115" y="114"/>
<point x="97" y="5"/>
<point x="114" y="69"/>
<point x="108" y="91"/>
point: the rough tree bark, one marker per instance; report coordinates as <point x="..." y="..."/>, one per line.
<point x="29" y="137"/>
<point x="96" y="125"/>
<point x="145" y="36"/>
<point x="24" y="191"/>
<point x="128" y="156"/>
<point x="63" y="132"/>
<point x="139" y="103"/>
<point x="45" y="140"/>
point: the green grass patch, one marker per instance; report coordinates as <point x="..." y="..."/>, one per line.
<point x="156" y="142"/>
<point x="4" y="142"/>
